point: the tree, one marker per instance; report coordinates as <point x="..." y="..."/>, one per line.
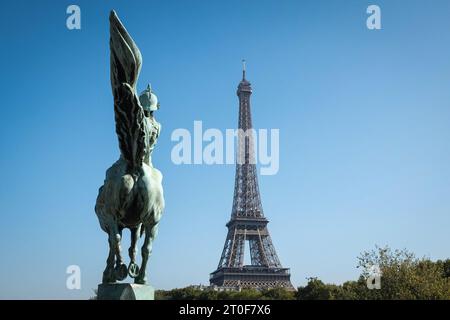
<point x="277" y="294"/>
<point x="317" y="290"/>
<point x="403" y="276"/>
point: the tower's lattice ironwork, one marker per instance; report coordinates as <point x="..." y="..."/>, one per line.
<point x="247" y="221"/>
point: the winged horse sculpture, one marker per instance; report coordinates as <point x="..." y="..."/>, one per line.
<point x="132" y="195"/>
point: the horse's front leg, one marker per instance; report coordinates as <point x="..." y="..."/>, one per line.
<point x="115" y="236"/>
<point x="133" y="268"/>
<point x="150" y="234"/>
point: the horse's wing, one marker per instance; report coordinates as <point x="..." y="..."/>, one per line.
<point x="126" y="63"/>
<point x="126" y="59"/>
<point x="130" y="126"/>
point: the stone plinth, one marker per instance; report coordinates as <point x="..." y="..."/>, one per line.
<point x="125" y="291"/>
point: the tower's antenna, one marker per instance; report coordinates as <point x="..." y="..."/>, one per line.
<point x="243" y="69"/>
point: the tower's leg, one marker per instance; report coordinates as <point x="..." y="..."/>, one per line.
<point x="237" y="251"/>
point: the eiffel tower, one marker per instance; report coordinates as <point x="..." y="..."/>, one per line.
<point x="247" y="221"/>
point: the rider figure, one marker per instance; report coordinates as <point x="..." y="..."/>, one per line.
<point x="149" y="102"/>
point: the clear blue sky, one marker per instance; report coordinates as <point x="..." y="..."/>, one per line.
<point x="364" y="119"/>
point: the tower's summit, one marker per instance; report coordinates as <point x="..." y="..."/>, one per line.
<point x="244" y="85"/>
<point x="247" y="221"/>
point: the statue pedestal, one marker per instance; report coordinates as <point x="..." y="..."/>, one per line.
<point x="125" y="291"/>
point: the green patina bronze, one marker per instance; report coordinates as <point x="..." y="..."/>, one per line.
<point x="132" y="195"/>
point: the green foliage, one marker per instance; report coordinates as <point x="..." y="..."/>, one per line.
<point x="445" y="266"/>
<point x="188" y="293"/>
<point x="194" y="293"/>
<point x="277" y="294"/>
<point x="245" y="294"/>
<point x="403" y="277"/>
<point x="314" y="290"/>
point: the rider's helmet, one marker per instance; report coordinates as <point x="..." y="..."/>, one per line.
<point x="148" y="100"/>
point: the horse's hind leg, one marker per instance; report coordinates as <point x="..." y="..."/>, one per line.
<point x="150" y="233"/>
<point x="133" y="268"/>
<point x="108" y="274"/>
<point x="115" y="237"/>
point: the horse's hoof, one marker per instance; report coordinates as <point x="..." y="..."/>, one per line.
<point x="133" y="270"/>
<point x="140" y="280"/>
<point x="109" y="276"/>
<point x="121" y="271"/>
